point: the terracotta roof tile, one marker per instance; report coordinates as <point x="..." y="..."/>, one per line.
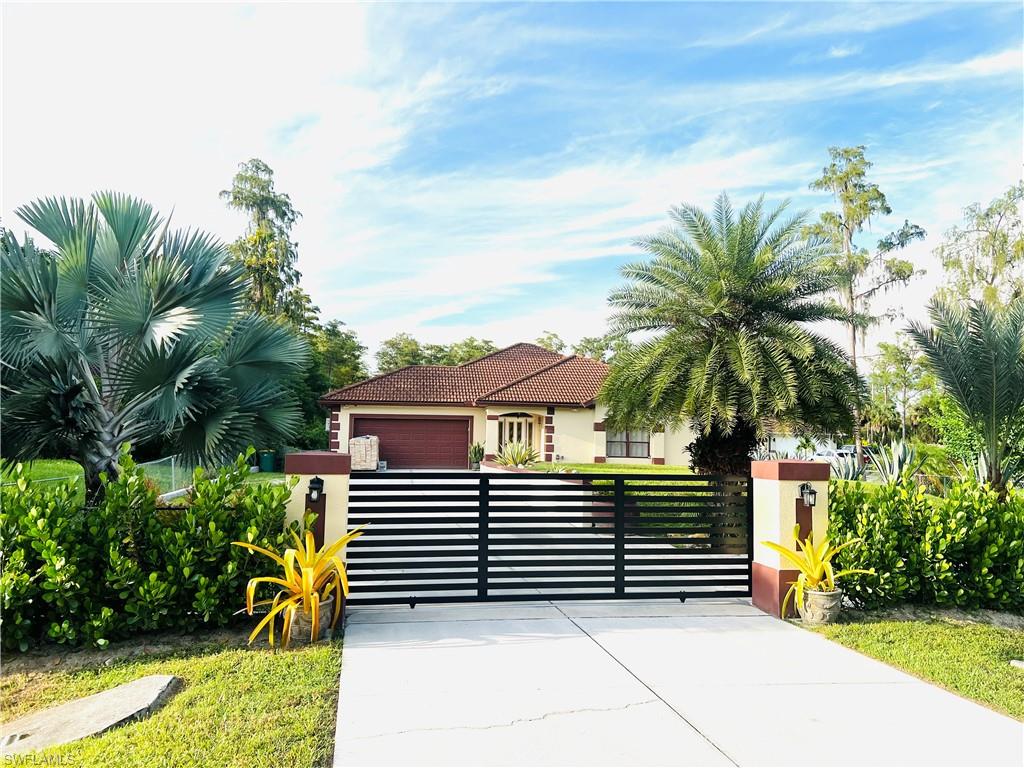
<point x="570" y="381"/>
<point x="533" y="374"/>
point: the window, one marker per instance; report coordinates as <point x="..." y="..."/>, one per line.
<point x="634" y="444"/>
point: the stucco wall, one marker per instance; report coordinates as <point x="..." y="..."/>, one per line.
<point x="574" y="435"/>
<point x="676" y="441"/>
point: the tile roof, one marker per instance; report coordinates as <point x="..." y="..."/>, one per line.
<point x="520" y="374"/>
<point x="570" y="381"/>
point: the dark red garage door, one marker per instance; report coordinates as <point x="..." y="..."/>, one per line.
<point x="418" y="442"/>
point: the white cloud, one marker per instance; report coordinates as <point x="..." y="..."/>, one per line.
<point x="834" y="19"/>
<point x="843" y="51"/>
<point x="164" y="102"/>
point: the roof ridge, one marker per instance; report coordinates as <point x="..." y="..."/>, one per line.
<point x="565" y="358"/>
<point x="498" y="352"/>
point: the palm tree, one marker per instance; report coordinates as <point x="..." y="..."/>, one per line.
<point x="128" y="331"/>
<point x="977" y="353"/>
<point x="725" y="306"/>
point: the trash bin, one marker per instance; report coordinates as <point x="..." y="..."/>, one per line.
<point x="267" y="461"/>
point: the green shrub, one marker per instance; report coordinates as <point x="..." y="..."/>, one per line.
<point x="882" y="519"/>
<point x="89" y="575"/>
<point x="963" y="549"/>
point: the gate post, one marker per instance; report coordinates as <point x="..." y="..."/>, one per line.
<point x="331" y="502"/>
<point x="777" y="508"/>
<point x="620" y="537"/>
<point x="484" y="486"/>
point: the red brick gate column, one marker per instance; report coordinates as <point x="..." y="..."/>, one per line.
<point x="777" y="508"/>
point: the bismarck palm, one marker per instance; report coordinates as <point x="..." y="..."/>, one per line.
<point x="129" y="331"/>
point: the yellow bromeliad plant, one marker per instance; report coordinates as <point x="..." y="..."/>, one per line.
<point x="310" y="577"/>
<point x="814" y="561"/>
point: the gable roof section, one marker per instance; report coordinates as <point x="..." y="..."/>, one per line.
<point x="504" y="376"/>
<point x="570" y="381"/>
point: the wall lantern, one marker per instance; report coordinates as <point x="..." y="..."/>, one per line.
<point x="316" y="487"/>
<point x="808" y="494"/>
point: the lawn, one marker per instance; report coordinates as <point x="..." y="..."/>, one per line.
<point x="51" y="469"/>
<point x="63" y="469"/>
<point x="970" y="659"/>
<point x="645" y="469"/>
<point x="265" y="477"/>
<point x="238" y="707"/>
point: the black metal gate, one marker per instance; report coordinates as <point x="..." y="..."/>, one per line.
<point x="444" y="537"/>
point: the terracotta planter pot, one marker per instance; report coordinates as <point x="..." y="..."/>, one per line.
<point x="302" y="626"/>
<point x="821" y="607"/>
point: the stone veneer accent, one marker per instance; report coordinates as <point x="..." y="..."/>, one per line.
<point x="549" y="435"/>
<point x="334" y="433"/>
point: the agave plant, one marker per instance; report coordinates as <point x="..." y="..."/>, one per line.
<point x="310" y="576"/>
<point x="1012" y="470"/>
<point x="129" y="331"/>
<point x="847" y="468"/>
<point x="814" y="561"/>
<point x="896" y="463"/>
<point x="476" y="453"/>
<point x="517" y="454"/>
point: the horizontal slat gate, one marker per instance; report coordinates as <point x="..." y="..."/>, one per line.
<point x="462" y="536"/>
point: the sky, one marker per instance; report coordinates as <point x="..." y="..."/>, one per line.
<point x="485" y="169"/>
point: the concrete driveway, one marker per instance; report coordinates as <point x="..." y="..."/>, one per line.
<point x="638" y="683"/>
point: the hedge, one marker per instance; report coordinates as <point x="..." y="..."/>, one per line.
<point x="74" y="574"/>
<point x="963" y="549"/>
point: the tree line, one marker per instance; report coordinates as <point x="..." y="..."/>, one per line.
<point x="131" y="329"/>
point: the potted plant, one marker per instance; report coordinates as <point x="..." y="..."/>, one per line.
<point x="818" y="599"/>
<point x="476" y="455"/>
<point x="313" y="589"/>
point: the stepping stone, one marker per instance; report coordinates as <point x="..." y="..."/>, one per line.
<point x="88" y="716"/>
<point x="1017" y="663"/>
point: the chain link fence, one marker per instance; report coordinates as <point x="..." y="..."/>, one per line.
<point x="169" y="474"/>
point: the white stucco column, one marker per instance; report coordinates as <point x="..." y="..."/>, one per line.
<point x="491" y="436"/>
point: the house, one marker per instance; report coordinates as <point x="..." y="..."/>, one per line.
<point x="427" y="416"/>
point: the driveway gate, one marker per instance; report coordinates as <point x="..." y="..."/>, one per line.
<point x="443" y="537"/>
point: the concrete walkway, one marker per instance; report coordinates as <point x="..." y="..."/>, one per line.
<point x="638" y="683"/>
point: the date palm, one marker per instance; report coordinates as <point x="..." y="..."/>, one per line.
<point x="129" y="331"/>
<point x="725" y="308"/>
<point x="977" y="352"/>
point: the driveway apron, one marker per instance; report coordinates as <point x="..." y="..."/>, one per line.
<point x="638" y="683"/>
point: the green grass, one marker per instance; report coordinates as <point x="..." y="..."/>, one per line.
<point x="646" y="469"/>
<point x="265" y="477"/>
<point x="51" y="469"/>
<point x="238" y="707"/>
<point x="972" y="660"/>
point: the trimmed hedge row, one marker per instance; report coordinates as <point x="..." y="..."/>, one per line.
<point x="963" y="549"/>
<point x="76" y="575"/>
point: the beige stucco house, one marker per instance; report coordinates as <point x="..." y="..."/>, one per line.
<point x="427" y="416"/>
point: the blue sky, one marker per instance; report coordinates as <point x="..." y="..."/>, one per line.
<point x="483" y="169"/>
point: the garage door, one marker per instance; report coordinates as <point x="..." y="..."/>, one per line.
<point x="419" y="442"/>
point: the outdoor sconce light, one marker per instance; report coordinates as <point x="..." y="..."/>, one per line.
<point x="316" y="487"/>
<point x="808" y="494"/>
